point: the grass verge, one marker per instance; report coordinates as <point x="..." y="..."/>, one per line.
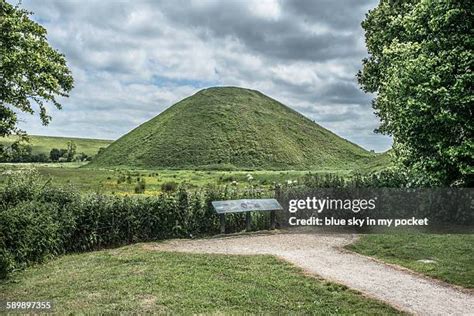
<point x="446" y="257"/>
<point x="131" y="279"/>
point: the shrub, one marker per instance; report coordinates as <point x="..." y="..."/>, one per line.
<point x="39" y="220"/>
<point x="169" y="186"/>
<point x="140" y="186"/>
<point x="56" y="153"/>
<point x="227" y="178"/>
<point x="31" y="232"/>
<point x="383" y="179"/>
<point x="82" y="157"/>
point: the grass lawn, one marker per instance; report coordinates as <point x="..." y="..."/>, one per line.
<point x="132" y="279"/>
<point x="453" y="255"/>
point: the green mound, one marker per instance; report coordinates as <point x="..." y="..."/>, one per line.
<point x="228" y="127"/>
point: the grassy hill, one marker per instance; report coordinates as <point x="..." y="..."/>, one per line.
<point x="44" y="144"/>
<point x="376" y="162"/>
<point x="232" y="127"/>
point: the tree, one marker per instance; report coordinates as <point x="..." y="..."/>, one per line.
<point x="70" y="151"/>
<point x="39" y="157"/>
<point x="420" y="67"/>
<point x="82" y="157"/>
<point x="19" y="152"/>
<point x="31" y="71"/>
<point x="3" y="153"/>
<point x="55" y="154"/>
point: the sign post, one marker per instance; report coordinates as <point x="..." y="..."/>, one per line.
<point x="247" y="206"/>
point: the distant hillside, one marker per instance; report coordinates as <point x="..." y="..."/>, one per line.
<point x="232" y="127"/>
<point x="44" y="144"/>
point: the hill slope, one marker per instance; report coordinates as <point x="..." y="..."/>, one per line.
<point x="44" y="144"/>
<point x="231" y="126"/>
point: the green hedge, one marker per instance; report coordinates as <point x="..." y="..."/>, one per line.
<point x="39" y="220"/>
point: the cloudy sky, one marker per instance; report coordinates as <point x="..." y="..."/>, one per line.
<point x="133" y="59"/>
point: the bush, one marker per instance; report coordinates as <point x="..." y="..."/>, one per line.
<point x="39" y="221"/>
<point x="34" y="222"/>
<point x="31" y="230"/>
<point x="169" y="186"/>
<point x="140" y="186"/>
<point x="82" y="157"/>
<point x="383" y="179"/>
<point x="56" y="153"/>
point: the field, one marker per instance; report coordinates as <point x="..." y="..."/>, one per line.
<point x="123" y="181"/>
<point x="44" y="144"/>
<point x="452" y="255"/>
<point x="134" y="280"/>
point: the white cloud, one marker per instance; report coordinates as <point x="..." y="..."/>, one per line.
<point x="266" y="9"/>
<point x="131" y="60"/>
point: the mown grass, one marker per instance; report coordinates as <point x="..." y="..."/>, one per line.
<point x="453" y="255"/>
<point x="44" y="144"/>
<point x="134" y="280"/>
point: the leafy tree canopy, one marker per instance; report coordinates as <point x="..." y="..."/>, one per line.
<point x="420" y="67"/>
<point x="31" y="71"/>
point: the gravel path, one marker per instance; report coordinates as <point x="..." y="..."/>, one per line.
<point x="323" y="255"/>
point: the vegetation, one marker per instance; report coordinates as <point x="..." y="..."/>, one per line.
<point x="31" y="71"/>
<point x="135" y="280"/>
<point x="19" y="152"/>
<point x="420" y="67"/>
<point x="123" y="181"/>
<point x="44" y="144"/>
<point x="39" y="221"/>
<point x="140" y="186"/>
<point x="169" y="186"/>
<point x="232" y="128"/>
<point x="451" y="257"/>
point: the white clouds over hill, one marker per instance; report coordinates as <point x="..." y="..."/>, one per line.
<point x="131" y="60"/>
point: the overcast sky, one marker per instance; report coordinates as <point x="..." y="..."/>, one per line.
<point x="131" y="60"/>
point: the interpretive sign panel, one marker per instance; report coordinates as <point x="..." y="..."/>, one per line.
<point x="247" y="205"/>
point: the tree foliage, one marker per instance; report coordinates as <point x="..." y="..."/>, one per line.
<point x="420" y="67"/>
<point x="31" y="71"/>
<point x="70" y="151"/>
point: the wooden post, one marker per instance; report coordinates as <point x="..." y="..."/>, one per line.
<point x="222" y="220"/>
<point x="248" y="221"/>
<point x="272" y="219"/>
